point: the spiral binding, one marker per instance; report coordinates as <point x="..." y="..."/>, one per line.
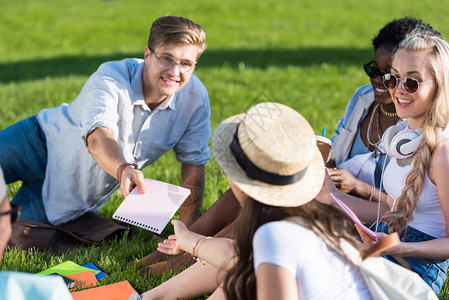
<point x="138" y="224"/>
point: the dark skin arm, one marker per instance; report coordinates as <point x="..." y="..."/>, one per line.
<point x="348" y="184"/>
<point x="193" y="178"/>
<point x="366" y="211"/>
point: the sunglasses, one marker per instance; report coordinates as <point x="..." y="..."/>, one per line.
<point x="372" y="71"/>
<point x="14" y="212"/>
<point x="411" y="85"/>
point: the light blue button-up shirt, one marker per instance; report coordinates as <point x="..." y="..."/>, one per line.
<point x="348" y="125"/>
<point x="112" y="97"/>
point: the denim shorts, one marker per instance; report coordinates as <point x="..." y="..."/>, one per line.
<point x="433" y="271"/>
<point x="23" y="156"/>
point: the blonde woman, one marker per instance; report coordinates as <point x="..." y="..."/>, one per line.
<point x="368" y="114"/>
<point x="416" y="177"/>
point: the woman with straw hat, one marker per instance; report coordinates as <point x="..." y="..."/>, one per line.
<point x="275" y="170"/>
<point x="356" y="162"/>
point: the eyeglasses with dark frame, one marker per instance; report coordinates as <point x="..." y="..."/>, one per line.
<point x="372" y="71"/>
<point x="411" y="85"/>
<point x="167" y="62"/>
<point x="14" y="212"/>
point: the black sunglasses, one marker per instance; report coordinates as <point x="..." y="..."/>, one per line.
<point x="14" y="212"/>
<point x="411" y="85"/>
<point x="372" y="71"/>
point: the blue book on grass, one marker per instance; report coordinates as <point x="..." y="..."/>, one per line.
<point x="100" y="275"/>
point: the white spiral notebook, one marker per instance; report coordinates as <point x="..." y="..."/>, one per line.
<point x="155" y="208"/>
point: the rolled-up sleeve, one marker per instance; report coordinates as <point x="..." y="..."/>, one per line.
<point x="101" y="99"/>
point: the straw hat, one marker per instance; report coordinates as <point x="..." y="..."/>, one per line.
<point x="277" y="148"/>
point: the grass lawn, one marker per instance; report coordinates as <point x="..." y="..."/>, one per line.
<point x="305" y="54"/>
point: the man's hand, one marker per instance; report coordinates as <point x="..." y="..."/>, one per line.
<point x="103" y="147"/>
<point x="130" y="179"/>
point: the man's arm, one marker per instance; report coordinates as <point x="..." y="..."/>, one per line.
<point x="193" y="178"/>
<point x="104" y="148"/>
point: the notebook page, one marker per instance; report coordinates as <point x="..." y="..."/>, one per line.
<point x="154" y="209"/>
<point x="354" y="218"/>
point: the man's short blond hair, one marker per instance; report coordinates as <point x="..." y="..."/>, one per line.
<point x="176" y="30"/>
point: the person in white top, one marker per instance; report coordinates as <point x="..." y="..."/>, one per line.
<point x="416" y="177"/>
<point x="278" y="252"/>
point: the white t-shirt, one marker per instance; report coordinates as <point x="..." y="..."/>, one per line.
<point x="428" y="216"/>
<point x="320" y="272"/>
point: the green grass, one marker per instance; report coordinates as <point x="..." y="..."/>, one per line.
<point x="305" y="54"/>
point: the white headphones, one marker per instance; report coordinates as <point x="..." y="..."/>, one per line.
<point x="400" y="142"/>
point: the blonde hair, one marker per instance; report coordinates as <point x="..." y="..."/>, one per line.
<point x="434" y="123"/>
<point x="176" y="30"/>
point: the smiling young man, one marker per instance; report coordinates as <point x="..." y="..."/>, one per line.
<point x="72" y="157"/>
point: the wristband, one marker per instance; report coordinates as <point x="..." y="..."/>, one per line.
<point x="123" y="166"/>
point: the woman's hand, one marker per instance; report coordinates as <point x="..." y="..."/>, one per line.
<point x="328" y="187"/>
<point x="342" y="179"/>
<point x="366" y="239"/>
<point x="173" y="244"/>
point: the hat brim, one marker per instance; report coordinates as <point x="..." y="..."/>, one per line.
<point x="291" y="195"/>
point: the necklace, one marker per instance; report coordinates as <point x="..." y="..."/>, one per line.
<point x="388" y="114"/>
<point x="368" y="132"/>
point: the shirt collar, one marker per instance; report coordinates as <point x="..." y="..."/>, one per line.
<point x="168" y="103"/>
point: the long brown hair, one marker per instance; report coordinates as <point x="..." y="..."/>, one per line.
<point x="240" y="281"/>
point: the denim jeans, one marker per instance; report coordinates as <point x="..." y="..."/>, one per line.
<point x="433" y="271"/>
<point x="23" y="156"/>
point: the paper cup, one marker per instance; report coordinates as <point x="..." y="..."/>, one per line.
<point x="325" y="146"/>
